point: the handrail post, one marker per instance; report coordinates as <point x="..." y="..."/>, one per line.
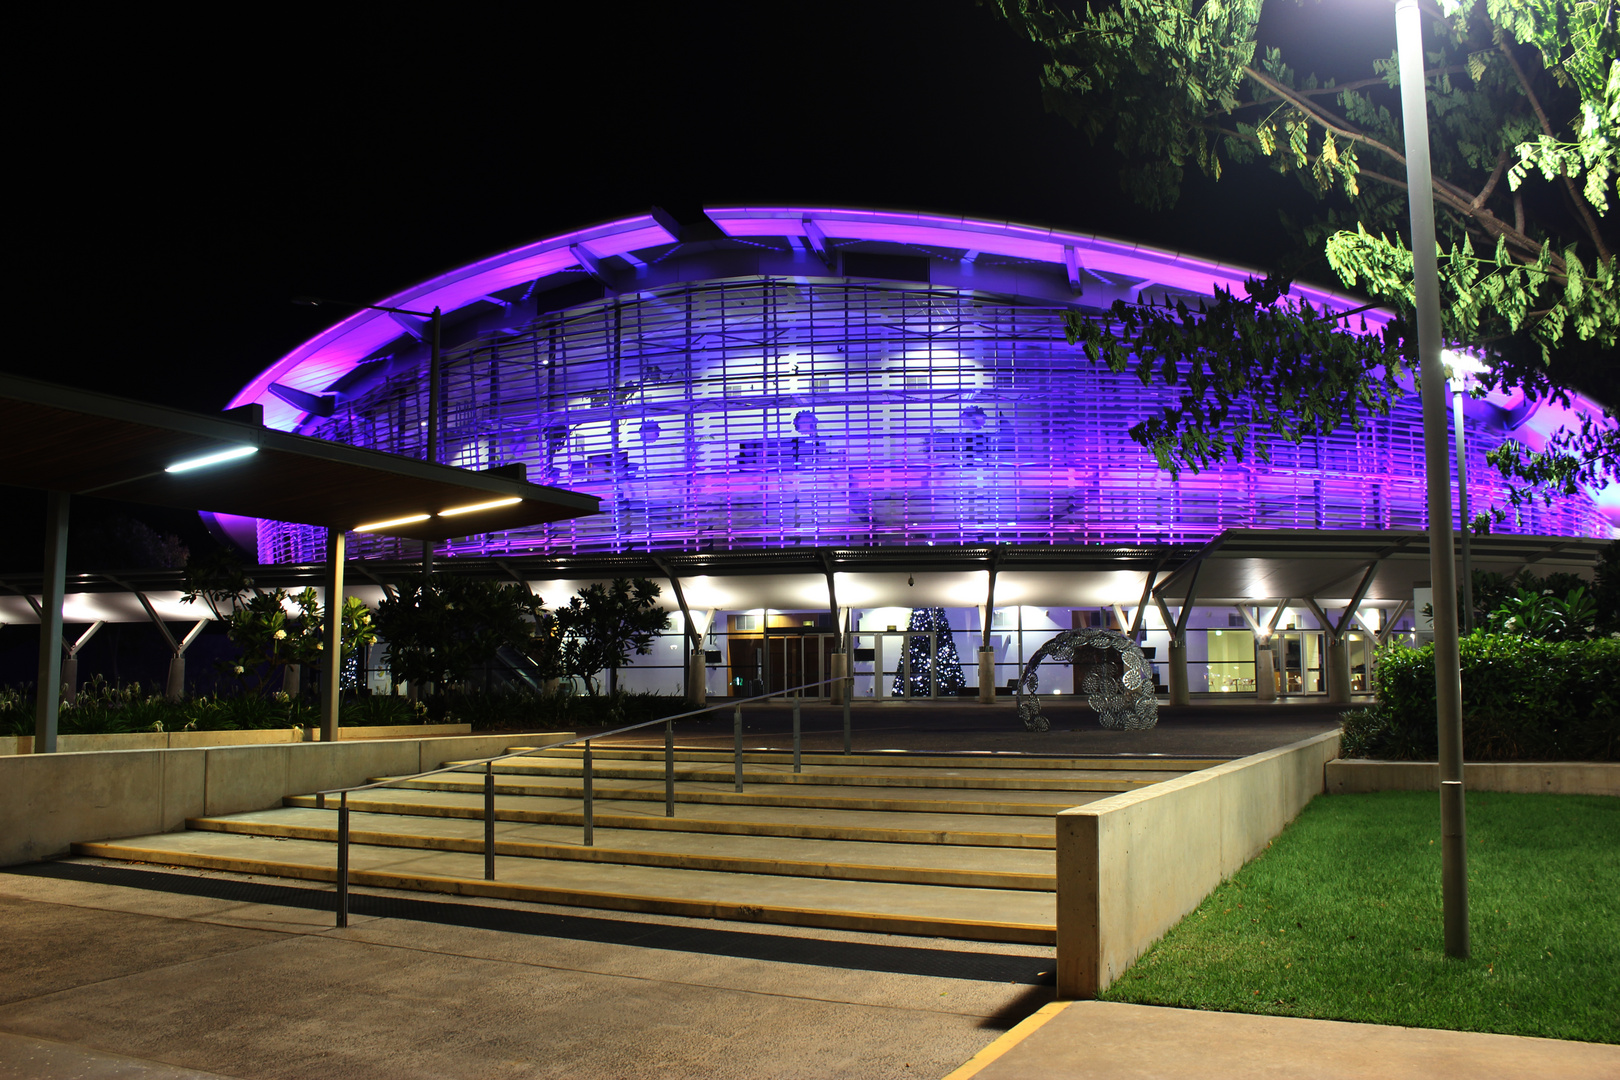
<point x="343" y="862"/>
<point x="796" y="698"/>
<point x="489" y="821"/>
<point x="736" y="745"/>
<point x="669" y="767"/>
<point x="590" y="816"/>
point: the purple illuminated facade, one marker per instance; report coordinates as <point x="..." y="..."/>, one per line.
<point x="845" y="378"/>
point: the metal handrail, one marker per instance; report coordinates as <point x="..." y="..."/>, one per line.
<point x="488" y="764"/>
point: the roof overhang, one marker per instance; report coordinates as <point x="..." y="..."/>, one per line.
<point x="1242" y="566"/>
<point x="61" y="439"/>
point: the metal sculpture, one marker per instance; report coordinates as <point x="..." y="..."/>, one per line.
<point x="1119" y="688"/>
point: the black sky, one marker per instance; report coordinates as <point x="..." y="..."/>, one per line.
<point x="179" y="177"/>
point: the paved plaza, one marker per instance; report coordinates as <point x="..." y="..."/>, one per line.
<point x="112" y="970"/>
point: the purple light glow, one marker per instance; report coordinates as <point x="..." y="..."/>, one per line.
<point x="712" y="412"/>
<point x="1162" y="268"/>
<point x="325" y="358"/>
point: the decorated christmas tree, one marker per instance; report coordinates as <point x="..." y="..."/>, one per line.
<point x="940" y="663"/>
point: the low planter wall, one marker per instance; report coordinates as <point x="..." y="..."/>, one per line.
<point x="54" y="800"/>
<point x="1356" y="777"/>
<point x="1131" y="865"/>
<point x="399" y="731"/>
<point x="173" y="740"/>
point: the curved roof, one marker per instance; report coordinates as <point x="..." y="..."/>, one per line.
<point x="649" y="252"/>
<point x="318" y="363"/>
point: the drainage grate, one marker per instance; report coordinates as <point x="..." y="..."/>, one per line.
<point x="817" y="952"/>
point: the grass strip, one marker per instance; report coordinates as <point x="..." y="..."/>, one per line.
<point x="1340" y="918"/>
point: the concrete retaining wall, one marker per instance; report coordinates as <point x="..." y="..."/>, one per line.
<point x="174" y="740"/>
<point x="1546" y="777"/>
<point x="1131" y="865"/>
<point x="54" y="800"/>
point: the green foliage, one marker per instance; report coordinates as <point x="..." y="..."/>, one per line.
<point x="1606" y="590"/>
<point x="273" y="628"/>
<point x="439" y="633"/>
<point x="1523" y="91"/>
<point x="602" y="624"/>
<point x="520" y="709"/>
<point x="103" y="709"/>
<point x="1523" y="699"/>
<point x="1251" y="370"/>
<point x="381" y="710"/>
<point x="1340" y="918"/>
<point x="1546" y="617"/>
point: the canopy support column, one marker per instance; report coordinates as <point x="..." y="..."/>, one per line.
<point x="48" y="699"/>
<point x="332" y="638"/>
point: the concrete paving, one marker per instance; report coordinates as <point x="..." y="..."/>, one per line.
<point x="1206" y="728"/>
<point x="1100" y="1040"/>
<point x="149" y="983"/>
<point x="102" y="981"/>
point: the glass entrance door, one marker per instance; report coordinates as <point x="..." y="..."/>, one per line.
<point x="798" y="659"/>
<point x="883" y="665"/>
<point x="1300" y="670"/>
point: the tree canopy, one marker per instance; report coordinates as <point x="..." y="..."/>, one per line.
<point x="438" y="633"/>
<point x="1524" y="103"/>
<point x="602" y="624"/>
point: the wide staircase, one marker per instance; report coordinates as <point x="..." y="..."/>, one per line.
<point x="957" y="846"/>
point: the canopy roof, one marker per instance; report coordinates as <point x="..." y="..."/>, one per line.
<point x="1242" y="566"/>
<point x="62" y="439"/>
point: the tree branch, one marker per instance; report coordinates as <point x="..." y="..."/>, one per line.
<point x="1490" y="185"/>
<point x="1325" y="119"/>
<point x="1576" y="199"/>
<point x="1344" y="88"/>
<point x="1444" y="191"/>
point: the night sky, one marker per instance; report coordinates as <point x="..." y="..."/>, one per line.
<point x="182" y="180"/>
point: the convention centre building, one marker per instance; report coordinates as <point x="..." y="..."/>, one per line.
<point x="839" y="429"/>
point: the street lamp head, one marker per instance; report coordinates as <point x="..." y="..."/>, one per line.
<point x="1462" y="366"/>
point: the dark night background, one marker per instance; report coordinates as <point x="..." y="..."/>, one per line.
<point x="178" y="180"/>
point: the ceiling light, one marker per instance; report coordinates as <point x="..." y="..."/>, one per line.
<point x="492" y="504"/>
<point x="375" y="525"/>
<point x="212" y="459"/>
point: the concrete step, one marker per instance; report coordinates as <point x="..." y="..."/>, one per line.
<point x="780" y="771"/>
<point x="978" y="830"/>
<point x="875" y="797"/>
<point x="934" y="864"/>
<point x="942" y="845"/>
<point x="978" y="761"/>
<point x="875" y="907"/>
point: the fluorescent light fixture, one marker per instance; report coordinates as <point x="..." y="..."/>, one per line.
<point x="212" y="459"/>
<point x="390" y="523"/>
<point x="492" y="504"/>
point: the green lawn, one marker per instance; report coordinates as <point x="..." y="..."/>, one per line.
<point x="1340" y="919"/>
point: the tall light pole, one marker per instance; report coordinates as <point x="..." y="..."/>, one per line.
<point x="1437" y="472"/>
<point x="1459" y="367"/>
<point x="432" y="454"/>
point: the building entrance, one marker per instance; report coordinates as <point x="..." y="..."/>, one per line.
<point x="1300" y="669"/>
<point x="778" y="660"/>
<point x="881" y="657"/>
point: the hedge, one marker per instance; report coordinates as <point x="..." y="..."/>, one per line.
<point x="1523" y="699"/>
